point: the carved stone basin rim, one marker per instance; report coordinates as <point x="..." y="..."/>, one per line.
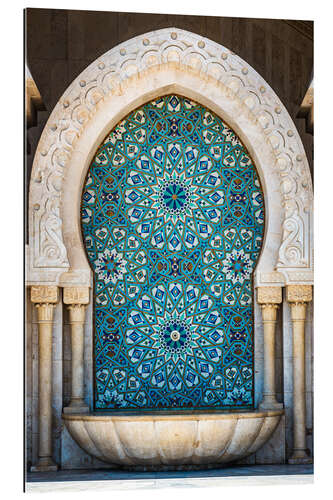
<point x="172" y="440"/>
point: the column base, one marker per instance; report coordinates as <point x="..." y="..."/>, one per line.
<point x="270" y="405"/>
<point x="76" y="409"/>
<point x="300" y="457"/>
<point x="44" y="464"/>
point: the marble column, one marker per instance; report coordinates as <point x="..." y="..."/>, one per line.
<point x="76" y="298"/>
<point x="44" y="298"/>
<point x="298" y="296"/>
<point x="269" y="299"/>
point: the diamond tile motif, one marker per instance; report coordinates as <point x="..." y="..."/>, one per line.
<point x="172" y="220"/>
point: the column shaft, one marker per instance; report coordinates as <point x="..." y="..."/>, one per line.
<point x="269" y="392"/>
<point x="299" y="379"/>
<point x="44" y="299"/>
<point x="77" y="359"/>
<point x="45" y="378"/>
<point x="76" y="298"/>
<point x="269" y="298"/>
<point x="298" y="296"/>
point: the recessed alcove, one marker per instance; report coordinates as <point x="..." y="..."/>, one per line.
<point x="175" y="62"/>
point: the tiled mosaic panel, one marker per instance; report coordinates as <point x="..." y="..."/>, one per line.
<point x="172" y="220"/>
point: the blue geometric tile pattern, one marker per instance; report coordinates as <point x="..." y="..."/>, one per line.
<point x="172" y="220"/>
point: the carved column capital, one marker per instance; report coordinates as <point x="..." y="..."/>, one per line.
<point x="44" y="294"/>
<point x="269" y="295"/>
<point x="269" y="312"/>
<point x="299" y="293"/>
<point x="78" y="295"/>
<point x="76" y="313"/>
<point x="45" y="312"/>
<point x="298" y="311"/>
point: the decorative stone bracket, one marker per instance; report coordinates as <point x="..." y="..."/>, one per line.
<point x="76" y="298"/>
<point x="269" y="298"/>
<point x="44" y="298"/>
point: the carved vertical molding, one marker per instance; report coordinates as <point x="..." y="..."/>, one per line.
<point x="76" y="298"/>
<point x="44" y="298"/>
<point x="269" y="299"/>
<point x="298" y="296"/>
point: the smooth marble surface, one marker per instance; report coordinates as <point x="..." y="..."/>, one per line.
<point x="99" y="480"/>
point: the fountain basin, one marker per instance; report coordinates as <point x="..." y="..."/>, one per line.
<point x="172" y="440"/>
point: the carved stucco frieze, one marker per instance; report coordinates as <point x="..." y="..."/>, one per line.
<point x="305" y="276"/>
<point x="274" y="277"/>
<point x="108" y="76"/>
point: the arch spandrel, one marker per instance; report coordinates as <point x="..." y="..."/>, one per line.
<point x="125" y="77"/>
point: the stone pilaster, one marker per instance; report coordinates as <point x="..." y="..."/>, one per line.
<point x="44" y="298"/>
<point x="76" y="298"/>
<point x="298" y="296"/>
<point x="269" y="299"/>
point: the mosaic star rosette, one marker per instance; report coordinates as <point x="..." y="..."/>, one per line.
<point x="172" y="220"/>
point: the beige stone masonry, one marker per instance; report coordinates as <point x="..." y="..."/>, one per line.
<point x="298" y="296"/>
<point x="44" y="298"/>
<point x="306" y="109"/>
<point x="76" y="298"/>
<point x="269" y="298"/>
<point x="33" y="99"/>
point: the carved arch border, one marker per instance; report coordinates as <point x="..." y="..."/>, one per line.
<point x="130" y="74"/>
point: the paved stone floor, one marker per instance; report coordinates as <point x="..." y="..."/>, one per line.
<point x="98" y="480"/>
